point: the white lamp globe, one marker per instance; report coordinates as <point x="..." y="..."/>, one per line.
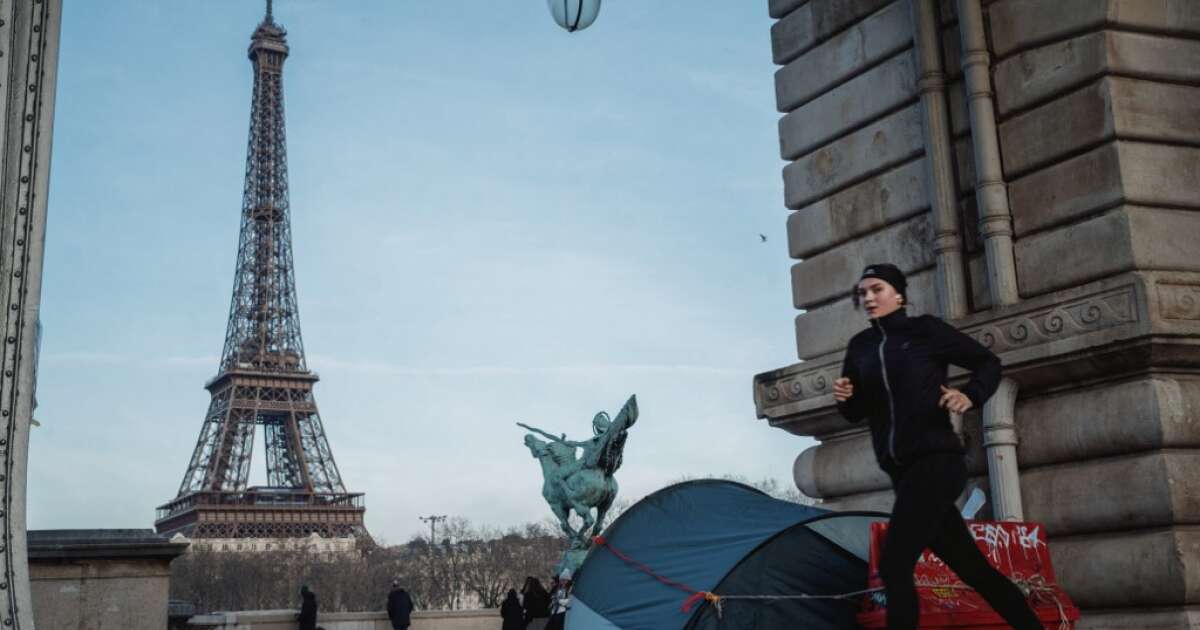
<point x="574" y="15"/>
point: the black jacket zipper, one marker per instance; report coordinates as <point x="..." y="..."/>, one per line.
<point x="887" y="386"/>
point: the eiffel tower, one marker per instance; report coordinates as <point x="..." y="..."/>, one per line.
<point x="263" y="378"/>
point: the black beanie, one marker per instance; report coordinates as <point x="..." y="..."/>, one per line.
<point x="890" y="274"/>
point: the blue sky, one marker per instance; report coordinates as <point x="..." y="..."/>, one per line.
<point x="493" y="220"/>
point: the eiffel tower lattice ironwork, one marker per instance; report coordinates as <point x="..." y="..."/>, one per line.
<point x="263" y="378"/>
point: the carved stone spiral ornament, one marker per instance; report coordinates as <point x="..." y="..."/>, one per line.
<point x="29" y="32"/>
<point x="1082" y="315"/>
<point x="1179" y="301"/>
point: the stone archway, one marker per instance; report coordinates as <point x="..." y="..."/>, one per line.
<point x="29" y="38"/>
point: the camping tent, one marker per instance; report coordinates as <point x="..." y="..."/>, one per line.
<point x="729" y="539"/>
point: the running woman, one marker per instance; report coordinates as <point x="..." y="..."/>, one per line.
<point x="895" y="377"/>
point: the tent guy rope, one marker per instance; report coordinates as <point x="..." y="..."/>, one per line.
<point x="1035" y="587"/>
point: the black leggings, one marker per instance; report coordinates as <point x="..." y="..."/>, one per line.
<point x="924" y="516"/>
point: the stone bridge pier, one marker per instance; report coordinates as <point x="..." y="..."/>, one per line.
<point x="1035" y="167"/>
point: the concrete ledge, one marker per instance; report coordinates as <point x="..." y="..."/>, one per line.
<point x="483" y="619"/>
<point x="69" y="544"/>
<point x="1127" y="323"/>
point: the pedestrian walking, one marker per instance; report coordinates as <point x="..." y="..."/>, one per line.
<point x="535" y="602"/>
<point x="308" y="609"/>
<point x="895" y="377"/>
<point x="399" y="607"/>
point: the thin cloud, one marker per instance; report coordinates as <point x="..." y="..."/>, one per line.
<point x="383" y="367"/>
<point x="207" y="360"/>
<point x="112" y="358"/>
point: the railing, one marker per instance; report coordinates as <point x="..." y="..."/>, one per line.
<point x="261" y="497"/>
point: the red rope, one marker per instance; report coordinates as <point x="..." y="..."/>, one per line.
<point x="695" y="594"/>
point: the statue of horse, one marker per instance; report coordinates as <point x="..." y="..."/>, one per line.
<point x="578" y="485"/>
<point x="568" y="486"/>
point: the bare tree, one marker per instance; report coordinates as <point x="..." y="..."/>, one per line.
<point x="469" y="566"/>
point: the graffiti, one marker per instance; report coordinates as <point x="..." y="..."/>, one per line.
<point x="1030" y="538"/>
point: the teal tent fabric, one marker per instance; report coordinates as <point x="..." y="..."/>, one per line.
<point x="729" y="538"/>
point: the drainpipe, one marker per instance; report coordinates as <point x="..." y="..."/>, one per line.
<point x="995" y="218"/>
<point x="939" y="165"/>
<point x="1000" y="444"/>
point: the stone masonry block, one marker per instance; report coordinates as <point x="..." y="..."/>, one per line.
<point x="1126" y="108"/>
<point x="846" y="465"/>
<point x="833" y="273"/>
<point x="1038" y="74"/>
<point x="1158" y="567"/>
<point x="1123" y="239"/>
<point x="1020" y="24"/>
<point x="1171" y="618"/>
<point x="840" y="467"/>
<point x="780" y="8"/>
<point x="1160" y="174"/>
<point x="1155" y="489"/>
<point x="852" y="104"/>
<point x="891" y="196"/>
<point x="1079" y="119"/>
<point x="1108" y="420"/>
<point x="877" y="37"/>
<point x="1123" y="171"/>
<point x="830" y="327"/>
<point x="888" y="142"/>
<point x="813" y="22"/>
<point x="878" y="501"/>
<point x="1165" y="239"/>
<point x="1066" y="191"/>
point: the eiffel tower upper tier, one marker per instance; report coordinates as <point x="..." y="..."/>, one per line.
<point x="263" y="333"/>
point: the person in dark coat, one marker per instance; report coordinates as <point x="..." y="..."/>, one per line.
<point x="535" y="602"/>
<point x="511" y="613"/>
<point x="560" y="602"/>
<point x="308" y="609"/>
<point x="399" y="607"/>
<point x="895" y="377"/>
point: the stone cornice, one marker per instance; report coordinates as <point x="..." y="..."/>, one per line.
<point x="1069" y="331"/>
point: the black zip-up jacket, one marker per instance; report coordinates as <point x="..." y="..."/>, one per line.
<point x="897" y="367"/>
